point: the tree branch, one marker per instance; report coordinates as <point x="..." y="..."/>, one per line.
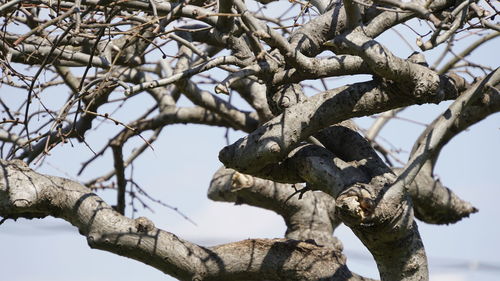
<point x="310" y="217"/>
<point x="274" y="140"/>
<point x="435" y="137"/>
<point x="24" y="193"/>
<point x="435" y="203"/>
<point x="120" y="177"/>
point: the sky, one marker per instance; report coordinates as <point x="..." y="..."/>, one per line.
<point x="178" y="173"/>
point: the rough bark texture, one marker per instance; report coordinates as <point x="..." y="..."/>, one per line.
<point x="302" y="156"/>
<point x="25" y="193"/>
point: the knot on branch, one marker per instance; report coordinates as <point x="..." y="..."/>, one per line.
<point x="269" y="147"/>
<point x="21" y="203"/>
<point x="240" y="181"/>
<point x="143" y="225"/>
<point x="356" y="205"/>
<point x="284" y="96"/>
<point x="427" y="83"/>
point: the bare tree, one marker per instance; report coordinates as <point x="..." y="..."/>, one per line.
<point x="302" y="157"/>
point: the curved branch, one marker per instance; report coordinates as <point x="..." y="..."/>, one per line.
<point x="385" y="64"/>
<point x="25" y="193"/>
<point x="274" y="140"/>
<point x="487" y="105"/>
<point x="433" y="141"/>
<point x="309" y="216"/>
<point x="255" y="94"/>
<point x="435" y="203"/>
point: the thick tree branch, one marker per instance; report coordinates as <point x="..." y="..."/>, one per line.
<point x="387" y="65"/>
<point x="482" y="108"/>
<point x="255" y="94"/>
<point x="225" y="23"/>
<point x="293" y="139"/>
<point x="6" y="136"/>
<point x="274" y="140"/>
<point x="24" y="193"/>
<point x="32" y="54"/>
<point x="435" y="203"/>
<point x="432" y="202"/>
<point x="163" y="8"/>
<point x="385" y="20"/>
<point x="352" y="13"/>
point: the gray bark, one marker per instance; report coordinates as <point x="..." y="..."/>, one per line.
<point x="27" y="194"/>
<point x="301" y="156"/>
